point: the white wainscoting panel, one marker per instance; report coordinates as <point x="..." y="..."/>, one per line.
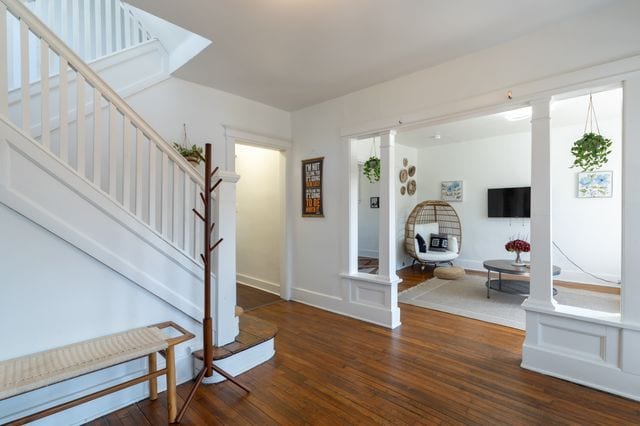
<point x="590" y="351"/>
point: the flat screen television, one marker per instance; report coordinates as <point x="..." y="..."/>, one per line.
<point x="509" y="202"/>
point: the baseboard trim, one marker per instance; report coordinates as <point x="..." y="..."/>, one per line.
<point x="260" y="284"/>
<point x="570" y="277"/>
<point x="337" y="305"/>
<point x="368" y="253"/>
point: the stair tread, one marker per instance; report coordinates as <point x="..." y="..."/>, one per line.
<point x="253" y="331"/>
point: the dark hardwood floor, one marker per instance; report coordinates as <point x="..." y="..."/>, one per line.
<point x="249" y="298"/>
<point x="436" y="368"/>
<point x="412" y="276"/>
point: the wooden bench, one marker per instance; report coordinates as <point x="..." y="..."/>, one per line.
<point x="31" y="372"/>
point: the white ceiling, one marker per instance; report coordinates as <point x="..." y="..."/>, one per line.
<point x="567" y="112"/>
<point x="295" y="53"/>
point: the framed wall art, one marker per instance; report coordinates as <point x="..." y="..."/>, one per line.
<point x="312" y="187"/>
<point x="595" y="184"/>
<point x="451" y="190"/>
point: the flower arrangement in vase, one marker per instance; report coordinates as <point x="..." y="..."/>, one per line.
<point x="518" y="246"/>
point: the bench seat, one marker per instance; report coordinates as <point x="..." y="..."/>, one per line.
<point x="27" y="373"/>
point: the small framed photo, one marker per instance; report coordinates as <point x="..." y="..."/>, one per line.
<point x="374" y="202"/>
<point x="451" y="190"/>
<point x="595" y="184"/>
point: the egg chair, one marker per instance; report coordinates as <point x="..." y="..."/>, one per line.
<point x="433" y="217"/>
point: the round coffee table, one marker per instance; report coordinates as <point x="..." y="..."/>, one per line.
<point x="502" y="266"/>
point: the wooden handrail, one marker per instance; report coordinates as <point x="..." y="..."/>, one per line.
<point x="37" y="27"/>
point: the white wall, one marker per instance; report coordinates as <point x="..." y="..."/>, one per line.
<point x="588" y="230"/>
<point x="482" y="78"/>
<point x="368" y="218"/>
<point x="52" y="295"/>
<point x="497" y="162"/>
<point x="259" y="217"/>
<point x="172" y="102"/>
<point x="405" y="203"/>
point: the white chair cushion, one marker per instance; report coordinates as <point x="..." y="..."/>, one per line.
<point x="437" y="256"/>
<point x="453" y="245"/>
<point x="426" y="229"/>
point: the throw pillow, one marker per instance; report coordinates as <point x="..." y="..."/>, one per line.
<point x="422" y="244"/>
<point x="438" y="242"/>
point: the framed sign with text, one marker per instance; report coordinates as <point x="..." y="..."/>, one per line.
<point x="312" y="187"/>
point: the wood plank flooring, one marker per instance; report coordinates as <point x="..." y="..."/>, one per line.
<point x="249" y="298"/>
<point x="253" y="331"/>
<point x="436" y="368"/>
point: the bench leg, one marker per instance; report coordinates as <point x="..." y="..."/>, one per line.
<point x="153" y="382"/>
<point x="172" y="403"/>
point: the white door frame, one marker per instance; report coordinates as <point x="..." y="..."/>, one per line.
<point x="234" y="136"/>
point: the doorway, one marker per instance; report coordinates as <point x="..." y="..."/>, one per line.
<point x="262" y="229"/>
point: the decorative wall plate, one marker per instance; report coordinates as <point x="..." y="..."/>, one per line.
<point x="405" y="162"/>
<point x="403" y="175"/>
<point x="412" y="171"/>
<point x="411" y="187"/>
<point x="403" y="190"/>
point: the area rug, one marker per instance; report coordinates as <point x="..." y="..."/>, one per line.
<point x="367" y="265"/>
<point x="468" y="298"/>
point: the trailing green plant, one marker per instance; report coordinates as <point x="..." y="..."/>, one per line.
<point x="371" y="169"/>
<point x="591" y="152"/>
<point x="193" y="153"/>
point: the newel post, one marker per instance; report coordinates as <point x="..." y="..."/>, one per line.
<point x="224" y="293"/>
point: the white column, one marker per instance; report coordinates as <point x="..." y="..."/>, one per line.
<point x="541" y="293"/>
<point x="387" y="221"/>
<point x="4" y="86"/>
<point x="631" y="201"/>
<point x="229" y="151"/>
<point x="352" y="206"/>
<point x="224" y="260"/>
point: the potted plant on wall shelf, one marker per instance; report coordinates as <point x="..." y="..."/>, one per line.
<point x="592" y="150"/>
<point x="192" y="153"/>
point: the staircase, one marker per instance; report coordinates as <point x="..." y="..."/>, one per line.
<point x="79" y="165"/>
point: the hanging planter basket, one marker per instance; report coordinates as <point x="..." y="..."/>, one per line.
<point x="591" y="151"/>
<point x="193" y="153"/>
<point x="371" y="169"/>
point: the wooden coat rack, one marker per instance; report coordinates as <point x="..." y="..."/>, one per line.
<point x="207" y="323"/>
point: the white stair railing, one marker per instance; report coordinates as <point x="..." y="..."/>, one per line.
<point x="91" y="28"/>
<point x="92" y="130"/>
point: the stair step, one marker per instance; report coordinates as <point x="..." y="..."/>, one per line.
<point x="253" y="331"/>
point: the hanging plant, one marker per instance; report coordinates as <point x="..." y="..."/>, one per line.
<point x="192" y="153"/>
<point x="371" y="169"/>
<point x="591" y="151"/>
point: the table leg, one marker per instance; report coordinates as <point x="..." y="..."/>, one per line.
<point x="488" y="284"/>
